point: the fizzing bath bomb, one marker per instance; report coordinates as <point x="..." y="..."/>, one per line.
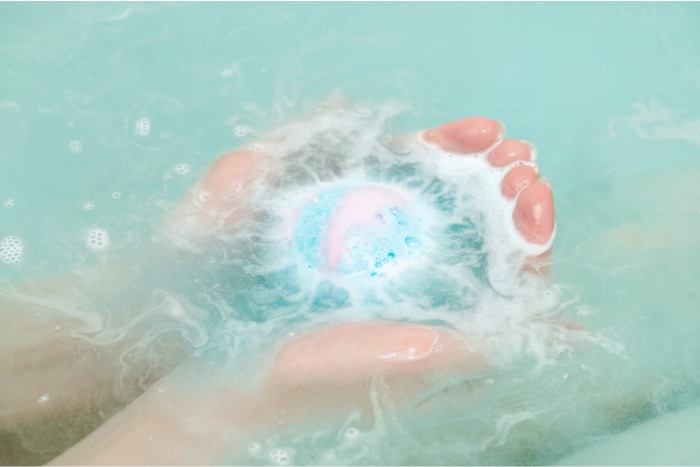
<point x="358" y="230"/>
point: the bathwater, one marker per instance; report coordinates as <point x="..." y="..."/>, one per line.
<point x="111" y="112"/>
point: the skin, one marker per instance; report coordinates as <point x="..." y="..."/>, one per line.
<point x="309" y="373"/>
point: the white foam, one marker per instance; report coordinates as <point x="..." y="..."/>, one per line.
<point x="11" y="249"/>
<point x="75" y="146"/>
<point x="280" y="456"/>
<point x="97" y="239"/>
<point x="240" y="130"/>
<point x="182" y="169"/>
<point x="142" y="126"/>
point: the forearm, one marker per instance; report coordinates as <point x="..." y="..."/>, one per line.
<point x="176" y="423"/>
<point x="62" y="346"/>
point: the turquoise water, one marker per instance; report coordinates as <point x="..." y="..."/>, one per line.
<point x="109" y="112"/>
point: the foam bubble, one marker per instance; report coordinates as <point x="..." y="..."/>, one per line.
<point x="97" y="239"/>
<point x="279" y="456"/>
<point x="240" y="131"/>
<point x="142" y="127"/>
<point x="88" y="206"/>
<point x="75" y="146"/>
<point x="116" y="195"/>
<point x="182" y="169"/>
<point x="10" y="203"/>
<point x="11" y="249"/>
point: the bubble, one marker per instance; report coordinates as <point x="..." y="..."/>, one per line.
<point x="97" y="239"/>
<point x="234" y="190"/>
<point x="352" y="433"/>
<point x="116" y="195"/>
<point x="182" y="169"/>
<point x="279" y="456"/>
<point x="412" y="242"/>
<point x="43" y="399"/>
<point x="255" y="147"/>
<point x="75" y="146"/>
<point x="88" y="206"/>
<point x="200" y="195"/>
<point x="10" y="203"/>
<point x="142" y="127"/>
<point x="11" y="249"/>
<point x="240" y="130"/>
<point x="227" y="73"/>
